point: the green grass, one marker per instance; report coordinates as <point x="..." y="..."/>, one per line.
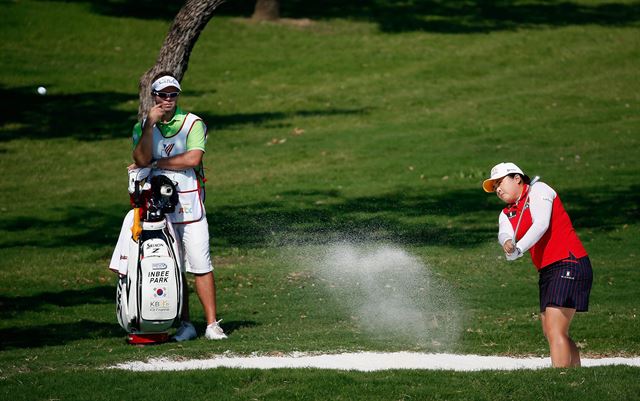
<point x="403" y="109"/>
<point x="287" y="384"/>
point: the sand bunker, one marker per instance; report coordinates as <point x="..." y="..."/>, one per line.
<point x="365" y="362"/>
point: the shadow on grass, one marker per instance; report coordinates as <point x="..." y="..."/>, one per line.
<point x="326" y="216"/>
<point x="458" y="218"/>
<point x="57" y="334"/>
<point x="96" y="116"/>
<point x="465" y="16"/>
<point x="603" y="208"/>
<point x="268" y="120"/>
<point x="234" y="325"/>
<point x="63" y="333"/>
<point x="410" y="15"/>
<point x="10" y="306"/>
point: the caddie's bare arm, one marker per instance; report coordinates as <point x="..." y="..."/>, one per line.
<point x="143" y="152"/>
<point x="183" y="161"/>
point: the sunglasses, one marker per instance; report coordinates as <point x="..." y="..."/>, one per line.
<point x="166" y="95"/>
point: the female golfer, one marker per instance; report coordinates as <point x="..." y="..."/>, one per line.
<point x="545" y="230"/>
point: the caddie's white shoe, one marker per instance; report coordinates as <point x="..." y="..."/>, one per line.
<point x="215" y="332"/>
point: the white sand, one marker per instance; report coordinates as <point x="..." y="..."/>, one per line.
<point x="365" y="362"/>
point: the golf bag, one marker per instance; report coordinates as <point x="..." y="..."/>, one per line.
<point x="149" y="295"/>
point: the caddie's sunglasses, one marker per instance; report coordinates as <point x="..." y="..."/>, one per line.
<point x="165" y="95"/>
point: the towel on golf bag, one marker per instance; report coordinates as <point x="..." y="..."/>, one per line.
<point x="120" y="257"/>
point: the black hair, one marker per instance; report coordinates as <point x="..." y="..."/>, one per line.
<point x="525" y="178"/>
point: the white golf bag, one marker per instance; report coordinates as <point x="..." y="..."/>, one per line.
<point x="149" y="293"/>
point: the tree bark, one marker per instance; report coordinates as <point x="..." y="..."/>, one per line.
<point x="176" y="50"/>
<point x="266" y="10"/>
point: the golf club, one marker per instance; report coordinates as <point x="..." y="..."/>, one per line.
<point x="526" y="201"/>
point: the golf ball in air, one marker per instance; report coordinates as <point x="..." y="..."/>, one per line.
<point x="42" y="90"/>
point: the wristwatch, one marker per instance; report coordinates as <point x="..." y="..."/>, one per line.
<point x="154" y="164"/>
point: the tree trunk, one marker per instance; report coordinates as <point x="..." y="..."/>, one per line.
<point x="176" y="50"/>
<point x="266" y="10"/>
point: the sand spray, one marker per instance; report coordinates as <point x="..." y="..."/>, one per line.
<point x="391" y="294"/>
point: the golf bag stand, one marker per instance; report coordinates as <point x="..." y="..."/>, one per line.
<point x="149" y="296"/>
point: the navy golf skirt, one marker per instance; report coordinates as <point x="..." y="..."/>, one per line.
<point x="566" y="283"/>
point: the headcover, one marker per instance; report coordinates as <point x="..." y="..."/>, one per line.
<point x="141" y="175"/>
<point x="164" y="194"/>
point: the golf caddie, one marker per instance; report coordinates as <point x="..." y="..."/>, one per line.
<point x="172" y="142"/>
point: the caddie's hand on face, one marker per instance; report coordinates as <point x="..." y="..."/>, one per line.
<point x="155" y="113"/>
<point x="508" y="246"/>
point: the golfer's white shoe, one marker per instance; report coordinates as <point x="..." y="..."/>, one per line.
<point x="215" y="332"/>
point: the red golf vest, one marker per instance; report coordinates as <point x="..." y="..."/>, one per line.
<point x="558" y="241"/>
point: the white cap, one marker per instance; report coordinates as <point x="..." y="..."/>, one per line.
<point x="501" y="170"/>
<point x="165" y="82"/>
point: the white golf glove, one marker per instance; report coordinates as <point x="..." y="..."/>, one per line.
<point x="517" y="253"/>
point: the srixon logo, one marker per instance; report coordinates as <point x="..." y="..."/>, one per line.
<point x="153" y="245"/>
<point x="154" y="248"/>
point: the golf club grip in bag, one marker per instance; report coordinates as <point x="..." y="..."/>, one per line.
<point x="149" y="297"/>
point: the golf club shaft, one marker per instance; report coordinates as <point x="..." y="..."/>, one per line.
<point x="533" y="181"/>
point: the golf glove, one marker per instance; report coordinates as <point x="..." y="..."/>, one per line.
<point x="517" y="253"/>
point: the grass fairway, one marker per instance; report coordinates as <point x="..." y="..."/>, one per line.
<point x="370" y="122"/>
